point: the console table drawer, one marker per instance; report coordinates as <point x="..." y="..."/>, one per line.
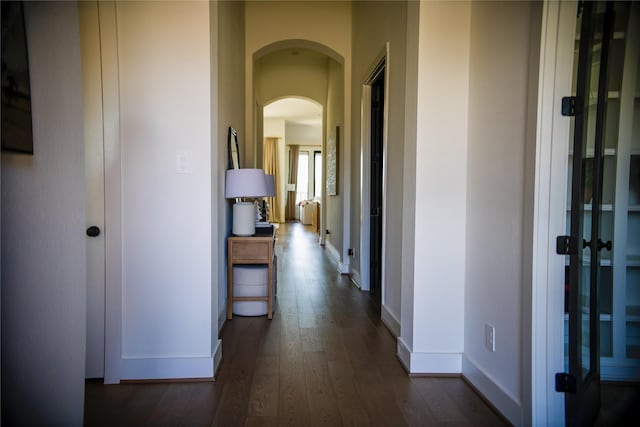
<point x="251" y="252"/>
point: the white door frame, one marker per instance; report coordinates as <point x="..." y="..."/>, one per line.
<point x="381" y="62"/>
<point x="89" y="23"/>
<point x="546" y="325"/>
<point x="113" y="183"/>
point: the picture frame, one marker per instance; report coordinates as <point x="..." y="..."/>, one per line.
<point x="233" y="148"/>
<point x="333" y="144"/>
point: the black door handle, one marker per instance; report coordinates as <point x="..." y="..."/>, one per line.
<point x="600" y="244"/>
<point x="93" y="231"/>
<point x="606" y="245"/>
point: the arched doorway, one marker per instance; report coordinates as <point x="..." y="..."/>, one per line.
<point x="302" y="69"/>
<point x="292" y="151"/>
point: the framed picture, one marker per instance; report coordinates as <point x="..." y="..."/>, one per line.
<point x="17" y="134"/>
<point x="234" y="152"/>
<point x="333" y="144"/>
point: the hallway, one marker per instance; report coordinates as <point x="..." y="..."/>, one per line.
<point x="324" y="359"/>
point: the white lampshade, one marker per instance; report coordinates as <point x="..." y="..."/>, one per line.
<point x="245" y="183"/>
<point x="270" y="182"/>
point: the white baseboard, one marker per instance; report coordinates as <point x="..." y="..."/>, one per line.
<point x="428" y="363"/>
<point x="506" y="404"/>
<point x="217" y="357"/>
<point x="355" y="278"/>
<point x="343" y="267"/>
<point x="333" y="253"/>
<point x="163" y="368"/>
<point x="391" y="321"/>
<point x="404" y="354"/>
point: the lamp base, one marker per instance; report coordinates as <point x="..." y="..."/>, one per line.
<point x="244" y="219"/>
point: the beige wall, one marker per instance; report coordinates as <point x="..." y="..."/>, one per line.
<point x="274" y="79"/>
<point x="333" y="220"/>
<point x="268" y="22"/>
<point x="228" y="62"/>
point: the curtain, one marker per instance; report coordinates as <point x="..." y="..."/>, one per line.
<point x="294" y="150"/>
<point x="270" y="162"/>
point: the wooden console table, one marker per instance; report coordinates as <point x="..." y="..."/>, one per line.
<point x="256" y="249"/>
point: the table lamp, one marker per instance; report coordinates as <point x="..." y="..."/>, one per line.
<point x="270" y="183"/>
<point x="241" y="183"/>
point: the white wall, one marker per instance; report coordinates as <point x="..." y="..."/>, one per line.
<point x="43" y="240"/>
<point x="435" y="317"/>
<point x="163" y="89"/>
<point x="498" y="108"/>
<point x="375" y="24"/>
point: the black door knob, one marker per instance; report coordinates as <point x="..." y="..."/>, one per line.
<point x="604" y="245"/>
<point x="93" y="231"/>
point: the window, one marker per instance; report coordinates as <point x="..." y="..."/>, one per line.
<point x="302" y="186"/>
<point x="317" y="178"/>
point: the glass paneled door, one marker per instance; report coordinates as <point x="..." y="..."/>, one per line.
<point x="586" y="213"/>
<point x="601" y="314"/>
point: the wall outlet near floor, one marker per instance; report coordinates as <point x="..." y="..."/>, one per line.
<point x="490" y="337"/>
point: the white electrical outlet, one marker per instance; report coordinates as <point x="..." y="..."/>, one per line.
<point x="490" y="337"/>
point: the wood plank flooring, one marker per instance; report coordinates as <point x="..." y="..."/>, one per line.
<point x="324" y="360"/>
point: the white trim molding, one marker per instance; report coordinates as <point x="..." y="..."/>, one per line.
<point x="217" y="357"/>
<point x="167" y="367"/>
<point x="381" y="63"/>
<point x="343" y="267"/>
<point x="355" y="278"/>
<point x="508" y="405"/>
<point x="545" y="406"/>
<point x="391" y="321"/>
<point x="333" y="252"/>
<point x="428" y="363"/>
<point x="365" y="176"/>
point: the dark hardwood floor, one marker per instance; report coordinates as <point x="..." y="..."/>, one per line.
<point x="324" y="359"/>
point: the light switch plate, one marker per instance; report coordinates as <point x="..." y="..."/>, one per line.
<point x="184" y="162"/>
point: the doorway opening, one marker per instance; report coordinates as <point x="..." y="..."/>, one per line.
<point x="374" y="136"/>
<point x="292" y="151"/>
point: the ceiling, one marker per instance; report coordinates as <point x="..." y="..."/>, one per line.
<point x="296" y="111"/>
